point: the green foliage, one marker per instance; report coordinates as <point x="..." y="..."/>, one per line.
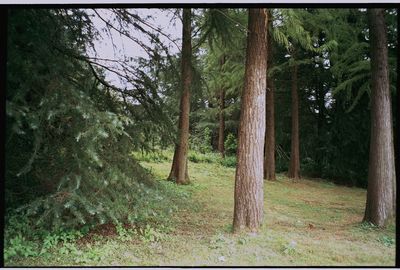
<point x="22" y="238"/>
<point x="368" y="226"/>
<point x="123" y="233"/>
<point x="201" y="141"/>
<point x="149" y="234"/>
<point x="156" y="156"/>
<point x="230" y="144"/>
<point x="229" y="161"/>
<point x="289" y="248"/>
<point x="90" y="255"/>
<point x="209" y="157"/>
<point x="69" y="138"/>
<point x="387" y="241"/>
<point x="19" y="246"/>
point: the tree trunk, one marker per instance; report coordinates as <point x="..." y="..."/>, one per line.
<point x="269" y="160"/>
<point x="294" y="168"/>
<point x="179" y="170"/>
<point x="221" y="134"/>
<point x="248" y="209"/>
<point x="320" y="98"/>
<point x="221" y="129"/>
<point x="381" y="196"/>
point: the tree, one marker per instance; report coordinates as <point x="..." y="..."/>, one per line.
<point x="381" y="195"/>
<point x="269" y="160"/>
<point x="248" y="207"/>
<point x="179" y="170"/>
<point x="221" y="127"/>
<point x="223" y="71"/>
<point x="69" y="132"/>
<point x="294" y="167"/>
<point x="292" y="35"/>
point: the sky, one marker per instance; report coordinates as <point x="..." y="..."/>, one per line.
<point x="126" y="48"/>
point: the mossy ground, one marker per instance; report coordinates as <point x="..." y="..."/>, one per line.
<point x="309" y="222"/>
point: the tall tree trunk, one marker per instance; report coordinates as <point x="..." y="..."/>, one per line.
<point x="221" y="128"/>
<point x="294" y="168"/>
<point x="248" y="209"/>
<point x="179" y="170"/>
<point x="320" y="98"/>
<point x="269" y="160"/>
<point x="381" y="196"/>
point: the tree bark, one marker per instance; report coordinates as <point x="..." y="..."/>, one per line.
<point x="269" y="160"/>
<point x="221" y="129"/>
<point x="294" y="168"/>
<point x="381" y="196"/>
<point x="179" y="170"/>
<point x="320" y="98"/>
<point x="248" y="208"/>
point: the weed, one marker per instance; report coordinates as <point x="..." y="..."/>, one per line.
<point x="368" y="226"/>
<point x="387" y="241"/>
<point x="124" y="234"/>
<point x="149" y="234"/>
<point x="90" y="255"/>
<point x="19" y="246"/>
<point x="68" y="248"/>
<point x="289" y="248"/>
<point x="243" y="240"/>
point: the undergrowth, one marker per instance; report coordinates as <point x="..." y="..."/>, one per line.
<point x="24" y="237"/>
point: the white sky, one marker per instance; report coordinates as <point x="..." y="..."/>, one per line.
<point x="126" y="48"/>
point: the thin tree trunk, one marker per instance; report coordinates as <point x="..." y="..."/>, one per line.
<point x="179" y="170"/>
<point x="248" y="209"/>
<point x="269" y="160"/>
<point x="294" y="168"/>
<point x="320" y="97"/>
<point x="381" y="196"/>
<point x="221" y="128"/>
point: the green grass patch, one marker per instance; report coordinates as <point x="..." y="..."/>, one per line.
<point x="306" y="223"/>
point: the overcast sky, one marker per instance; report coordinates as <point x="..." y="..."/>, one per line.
<point x="126" y="48"/>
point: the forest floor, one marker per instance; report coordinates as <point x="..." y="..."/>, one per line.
<point x="309" y="222"/>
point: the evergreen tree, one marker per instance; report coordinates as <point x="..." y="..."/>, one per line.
<point x="248" y="210"/>
<point x="381" y="195"/>
<point x="269" y="159"/>
<point x="179" y="170"/>
<point x="68" y="148"/>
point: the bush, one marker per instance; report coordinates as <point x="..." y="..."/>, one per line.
<point x="230" y="144"/>
<point x="197" y="157"/>
<point x="229" y="161"/>
<point x="157" y="156"/>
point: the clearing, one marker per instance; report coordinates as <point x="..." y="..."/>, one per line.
<point x="310" y="222"/>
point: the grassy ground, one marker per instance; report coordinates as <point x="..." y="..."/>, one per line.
<point x="306" y="223"/>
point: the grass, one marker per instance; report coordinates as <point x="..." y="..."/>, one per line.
<point x="306" y="223"/>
